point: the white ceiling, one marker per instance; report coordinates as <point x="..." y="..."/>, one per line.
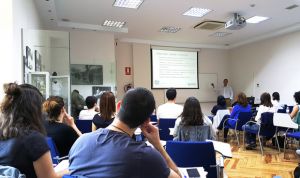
<point x="144" y="23"/>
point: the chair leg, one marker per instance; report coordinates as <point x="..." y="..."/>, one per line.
<point x="261" y="148"/>
<point x="237" y="138"/>
<point x="277" y="143"/>
<point x="244" y="139"/>
<point x="284" y="145"/>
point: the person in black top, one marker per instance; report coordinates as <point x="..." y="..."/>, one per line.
<point x="107" y="111"/>
<point x="59" y="125"/>
<point x="221" y="104"/>
<point x="22" y="142"/>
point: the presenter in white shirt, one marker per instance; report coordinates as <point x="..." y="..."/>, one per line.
<point x="227" y="92"/>
<point x="169" y="110"/>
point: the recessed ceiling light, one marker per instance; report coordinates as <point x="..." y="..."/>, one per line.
<point x="133" y="4"/>
<point x="257" y="19"/>
<point x="111" y="23"/>
<point x="169" y="29"/>
<point x="196" y="12"/>
<point x="220" y="34"/>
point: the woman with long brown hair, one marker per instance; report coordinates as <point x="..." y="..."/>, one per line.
<point x="22" y="135"/>
<point x="107" y="111"/>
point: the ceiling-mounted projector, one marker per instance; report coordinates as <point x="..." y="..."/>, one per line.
<point x="236" y="23"/>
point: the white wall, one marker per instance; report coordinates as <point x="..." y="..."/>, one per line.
<point x="25" y="16"/>
<point x="14" y="15"/>
<point x="94" y="48"/>
<point x="138" y="55"/>
<point x="273" y="64"/>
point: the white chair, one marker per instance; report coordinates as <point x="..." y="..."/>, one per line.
<point x="218" y="117"/>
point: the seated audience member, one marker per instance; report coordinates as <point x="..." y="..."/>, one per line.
<point x="126" y="88"/>
<point x="111" y="151"/>
<point x="22" y="141"/>
<point x="221" y="104"/>
<point x="275" y="101"/>
<point x="59" y="125"/>
<point x="265" y="106"/>
<point x="170" y="109"/>
<point x="241" y="106"/>
<point x="296" y="109"/>
<point x="91" y="104"/>
<point x="107" y="111"/>
<point x="192" y="124"/>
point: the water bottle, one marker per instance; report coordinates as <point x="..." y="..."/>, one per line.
<point x="287" y="109"/>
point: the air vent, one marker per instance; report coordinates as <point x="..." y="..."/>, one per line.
<point x="291" y="7"/>
<point x="209" y="25"/>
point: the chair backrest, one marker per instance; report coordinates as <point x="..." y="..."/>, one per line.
<point x="281" y="110"/>
<point x="251" y="100"/>
<point x="164" y="125"/>
<point x="267" y="127"/>
<point x="194" y="154"/>
<point x="243" y="118"/>
<point x="53" y="150"/>
<point x="85" y="126"/>
<point x="193" y="133"/>
<point x="153" y="118"/>
<point x="68" y="176"/>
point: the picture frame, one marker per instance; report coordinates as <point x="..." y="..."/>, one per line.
<point x="82" y="74"/>
<point x="38" y="61"/>
<point x="97" y="91"/>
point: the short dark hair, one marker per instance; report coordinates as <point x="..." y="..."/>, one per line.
<point x="21" y="111"/>
<point x="192" y="113"/>
<point x="171" y="93"/>
<point x="90" y="101"/>
<point x="137" y="106"/>
<point x="265" y="99"/>
<point x="276" y="96"/>
<point x="221" y="100"/>
<point x="297" y="97"/>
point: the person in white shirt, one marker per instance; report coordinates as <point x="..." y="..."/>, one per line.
<point x="275" y="101"/>
<point x="266" y="106"/>
<point x="169" y="110"/>
<point x="227" y="92"/>
<point x="91" y="103"/>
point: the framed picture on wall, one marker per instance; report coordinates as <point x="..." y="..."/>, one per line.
<point x="82" y="74"/>
<point x="98" y="90"/>
<point x="38" y="61"/>
<point x="29" y="61"/>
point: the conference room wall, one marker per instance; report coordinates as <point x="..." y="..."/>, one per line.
<point x="138" y="55"/>
<point x="14" y="15"/>
<point x="273" y="64"/>
<point x="93" y="48"/>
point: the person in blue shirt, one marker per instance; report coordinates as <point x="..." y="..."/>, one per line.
<point x="112" y="153"/>
<point x="241" y="106"/>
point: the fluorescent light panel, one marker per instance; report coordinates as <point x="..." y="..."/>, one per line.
<point x="133" y="4"/>
<point x="197" y="12"/>
<point x="111" y="23"/>
<point x="220" y="34"/>
<point x="170" y="29"/>
<point x="257" y="19"/>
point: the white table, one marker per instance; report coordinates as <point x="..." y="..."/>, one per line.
<point x="222" y="148"/>
<point x="284" y="120"/>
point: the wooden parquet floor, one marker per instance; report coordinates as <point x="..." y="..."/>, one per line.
<point x="251" y="164"/>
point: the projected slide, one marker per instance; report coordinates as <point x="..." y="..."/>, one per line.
<point x="178" y="69"/>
